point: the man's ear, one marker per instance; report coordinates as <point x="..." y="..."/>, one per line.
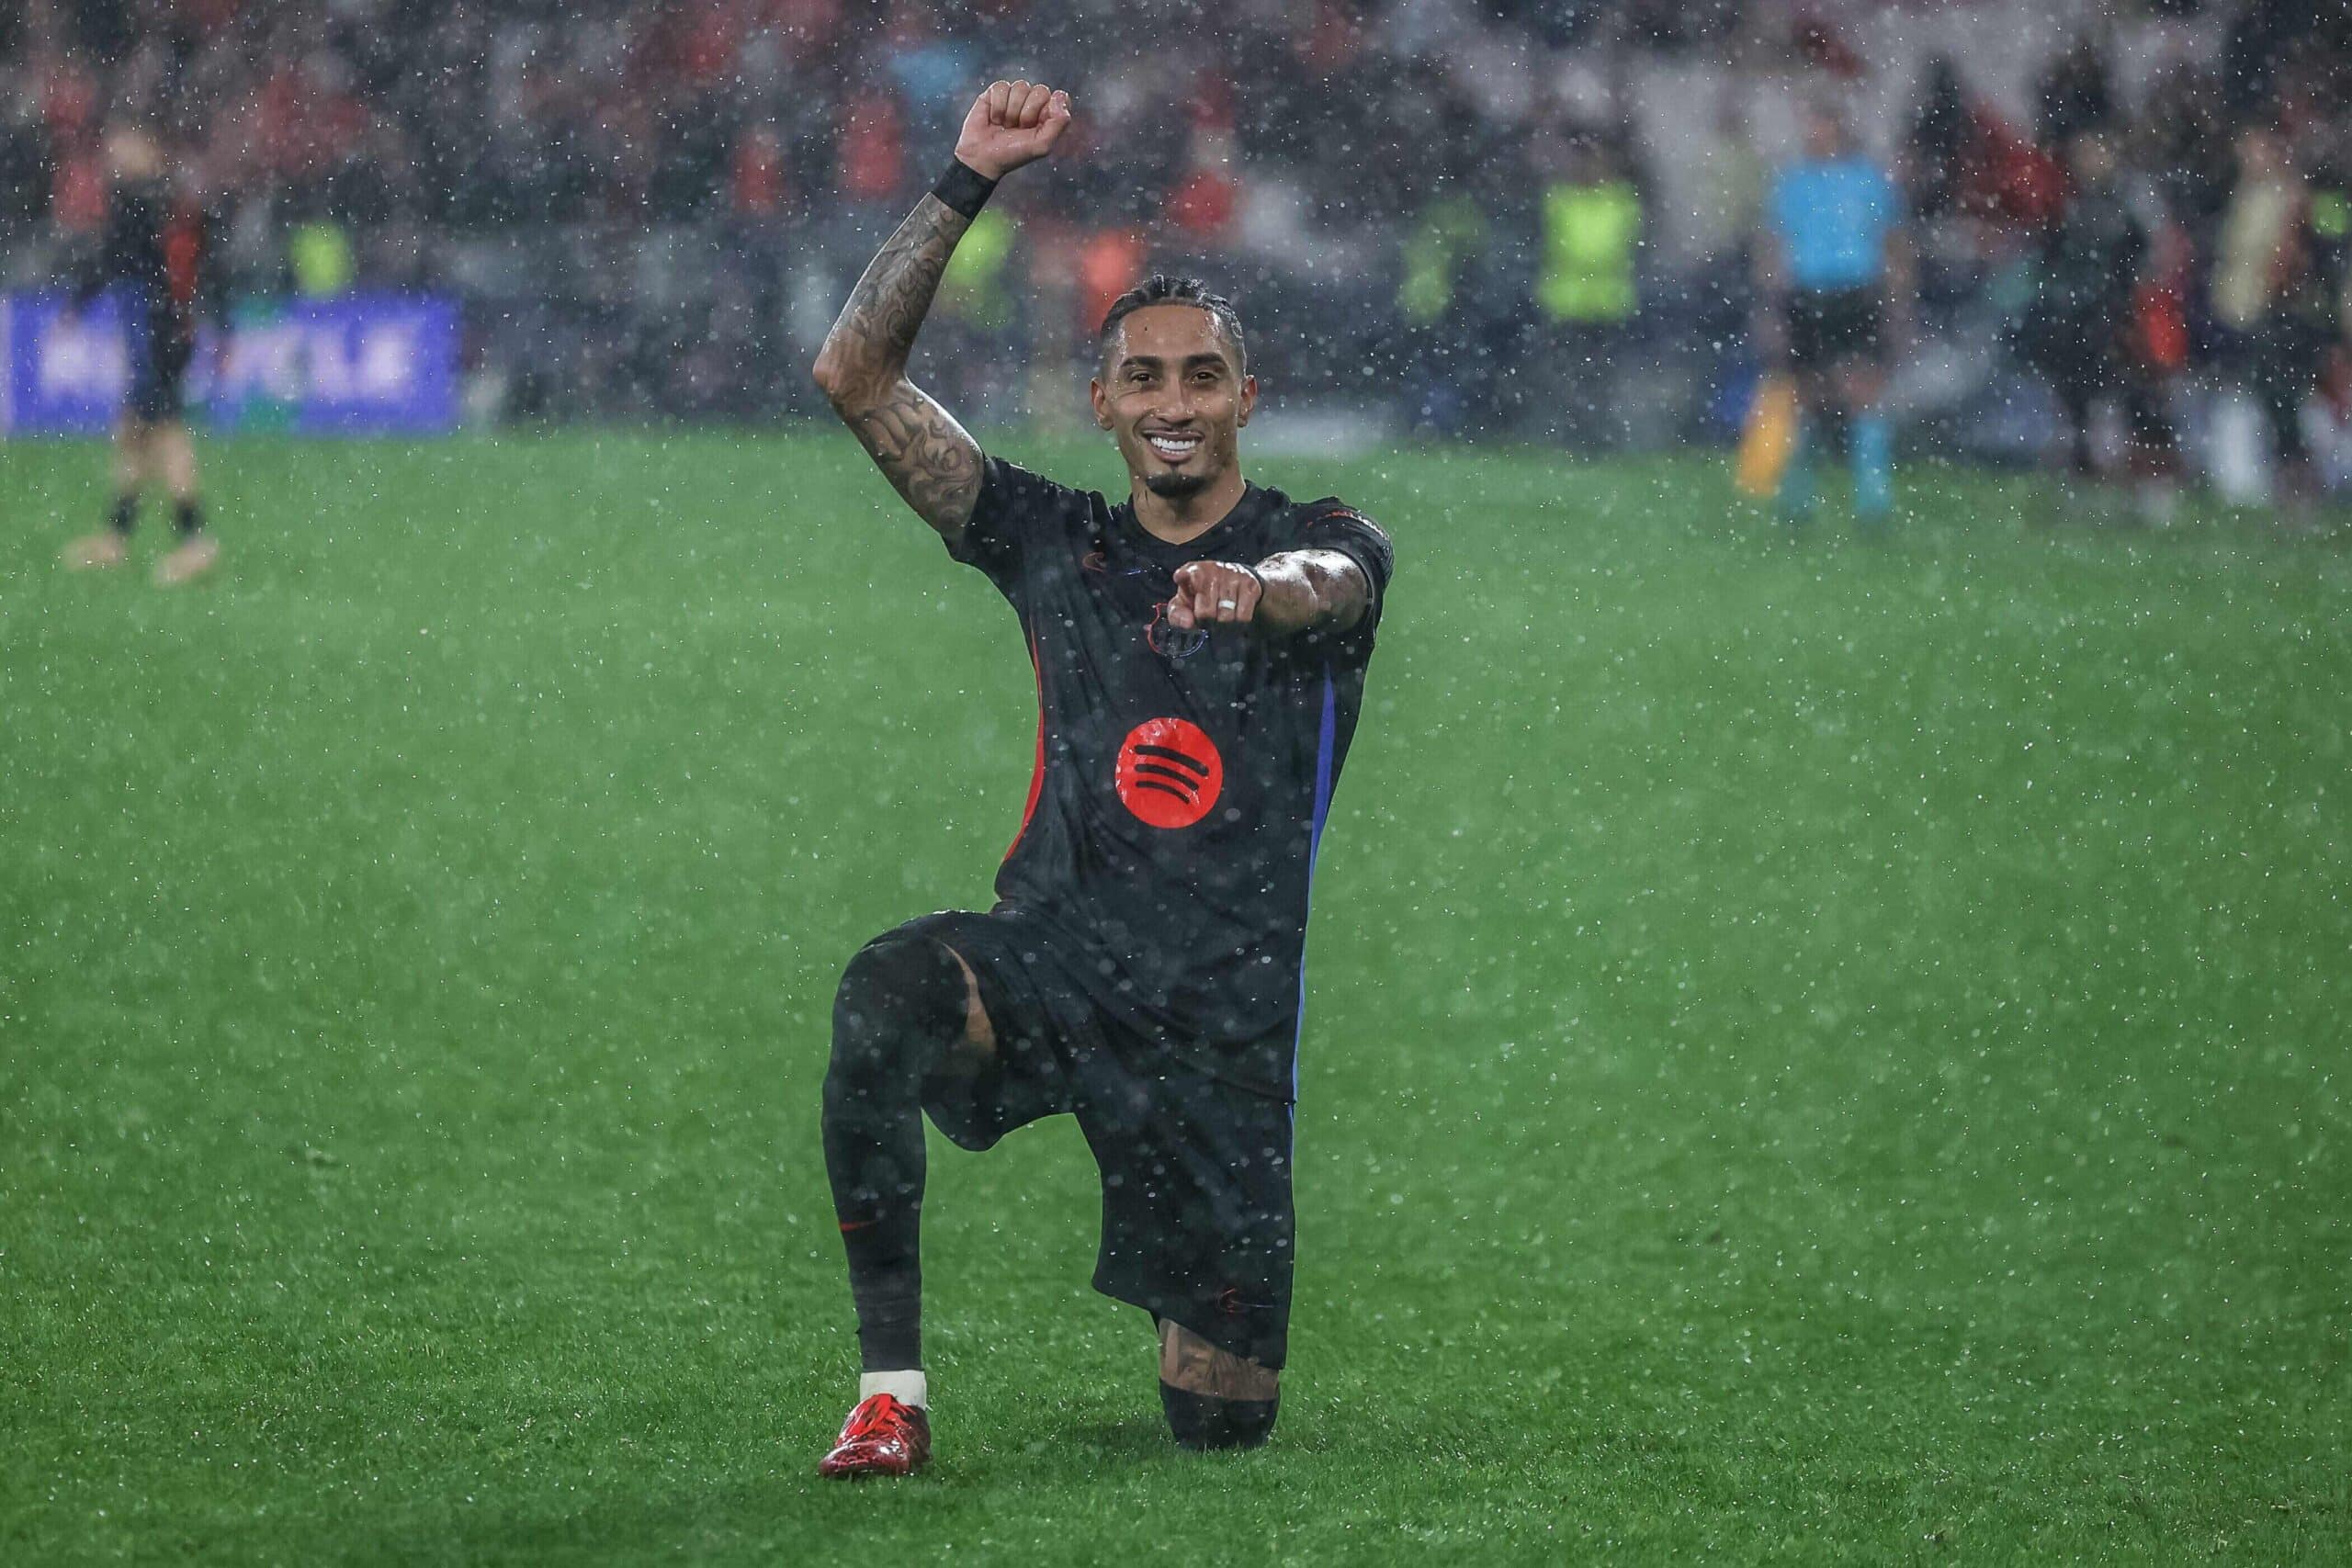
<point x="1101" y="404"/>
<point x="1248" y="399"/>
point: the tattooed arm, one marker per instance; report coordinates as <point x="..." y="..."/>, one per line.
<point x="920" y="448"/>
<point x="1287" y="594"/>
<point x="1324" y="586"/>
<point x="926" y="455"/>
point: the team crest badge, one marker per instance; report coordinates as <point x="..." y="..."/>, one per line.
<point x="1170" y="641"/>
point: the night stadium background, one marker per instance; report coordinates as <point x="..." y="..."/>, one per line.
<point x="1823" y="1043"/>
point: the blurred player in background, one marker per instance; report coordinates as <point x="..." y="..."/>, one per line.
<point x="152" y="261"/>
<point x="1834" y="284"/>
<point x="1200" y="650"/>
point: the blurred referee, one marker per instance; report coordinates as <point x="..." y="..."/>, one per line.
<point x="152" y="261"/>
<point x="1834" y="284"/>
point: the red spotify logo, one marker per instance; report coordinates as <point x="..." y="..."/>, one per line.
<point x="1170" y="774"/>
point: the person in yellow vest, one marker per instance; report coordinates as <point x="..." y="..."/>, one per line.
<point x="318" y="259"/>
<point x="977" y="306"/>
<point x="1587" y="291"/>
<point x="1442" y="335"/>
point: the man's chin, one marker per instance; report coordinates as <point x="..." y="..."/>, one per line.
<point x="1176" y="487"/>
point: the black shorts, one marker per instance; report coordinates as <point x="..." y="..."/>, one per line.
<point x="160" y="351"/>
<point x="1197" y="1222"/>
<point x="1828" y="329"/>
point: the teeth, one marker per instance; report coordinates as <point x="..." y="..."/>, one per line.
<point x="1173" y="446"/>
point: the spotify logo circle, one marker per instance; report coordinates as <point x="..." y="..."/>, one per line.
<point x="1169" y="773"/>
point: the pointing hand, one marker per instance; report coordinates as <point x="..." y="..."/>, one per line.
<point x="1211" y="590"/>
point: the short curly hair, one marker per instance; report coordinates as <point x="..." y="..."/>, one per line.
<point x="1161" y="289"/>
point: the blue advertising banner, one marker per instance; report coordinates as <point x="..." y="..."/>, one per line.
<point x="355" y="365"/>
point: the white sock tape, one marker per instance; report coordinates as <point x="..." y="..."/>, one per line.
<point x="907" y="1388"/>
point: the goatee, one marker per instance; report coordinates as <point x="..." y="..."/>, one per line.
<point x="1176" y="487"/>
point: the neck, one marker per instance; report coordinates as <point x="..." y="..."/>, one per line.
<point x="1176" y="520"/>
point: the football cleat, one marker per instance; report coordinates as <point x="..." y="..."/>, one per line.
<point x="97" y="553"/>
<point x="884" y="1435"/>
<point x="191" y="561"/>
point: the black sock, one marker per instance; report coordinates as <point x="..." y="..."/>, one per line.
<point x="899" y="1008"/>
<point x="189" y="515"/>
<point x="125" y="512"/>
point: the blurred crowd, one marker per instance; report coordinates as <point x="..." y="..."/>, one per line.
<point x="1535" y="218"/>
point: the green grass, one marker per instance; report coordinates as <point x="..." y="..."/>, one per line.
<point x="1817" y="1051"/>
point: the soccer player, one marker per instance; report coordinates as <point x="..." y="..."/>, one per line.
<point x="154" y="260"/>
<point x="1200" y="650"/>
<point x="1833" y="278"/>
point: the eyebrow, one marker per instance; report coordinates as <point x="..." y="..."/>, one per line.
<point x="1153" y="361"/>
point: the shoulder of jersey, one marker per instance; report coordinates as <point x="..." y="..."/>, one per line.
<point x="1307" y="513"/>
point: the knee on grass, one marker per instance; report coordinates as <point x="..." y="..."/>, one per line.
<point x="1213" y="1398"/>
<point x="1199" y="1421"/>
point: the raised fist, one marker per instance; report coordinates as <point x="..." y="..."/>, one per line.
<point x="1010" y="124"/>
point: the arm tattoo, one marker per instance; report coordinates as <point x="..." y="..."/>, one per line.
<point x="927" y="456"/>
<point x="878" y="327"/>
<point x="1313" y="589"/>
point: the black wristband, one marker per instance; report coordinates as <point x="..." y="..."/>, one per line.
<point x="1255" y="576"/>
<point x="963" y="188"/>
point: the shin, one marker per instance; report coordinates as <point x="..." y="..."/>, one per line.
<point x="901" y="1007"/>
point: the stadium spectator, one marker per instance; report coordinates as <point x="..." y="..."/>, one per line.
<point x="2184" y="144"/>
<point x="1939" y="140"/>
<point x="25" y="158"/>
<point x="2091" y="266"/>
<point x="2273" y="309"/>
<point x="2157" y="349"/>
<point x="2076" y="95"/>
<point x="2331" y="238"/>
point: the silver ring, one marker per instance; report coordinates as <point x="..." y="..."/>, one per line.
<point x="1227" y="604"/>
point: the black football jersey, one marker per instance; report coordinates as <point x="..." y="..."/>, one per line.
<point x="158" y="252"/>
<point x="1183" y="777"/>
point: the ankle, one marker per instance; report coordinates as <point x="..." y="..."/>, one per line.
<point x="908" y="1387"/>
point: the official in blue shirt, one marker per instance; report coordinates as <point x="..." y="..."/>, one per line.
<point x="1834" y="284"/>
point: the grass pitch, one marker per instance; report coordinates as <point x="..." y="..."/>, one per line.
<point x="1817" y="1051"/>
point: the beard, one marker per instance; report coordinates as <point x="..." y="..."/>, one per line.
<point x="1176" y="487"/>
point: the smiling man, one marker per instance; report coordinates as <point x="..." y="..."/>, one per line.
<point x="1200" y="650"/>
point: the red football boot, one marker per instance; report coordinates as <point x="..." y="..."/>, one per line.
<point x="883" y="1435"/>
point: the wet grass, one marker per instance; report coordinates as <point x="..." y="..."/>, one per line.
<point x="1818" y="1050"/>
